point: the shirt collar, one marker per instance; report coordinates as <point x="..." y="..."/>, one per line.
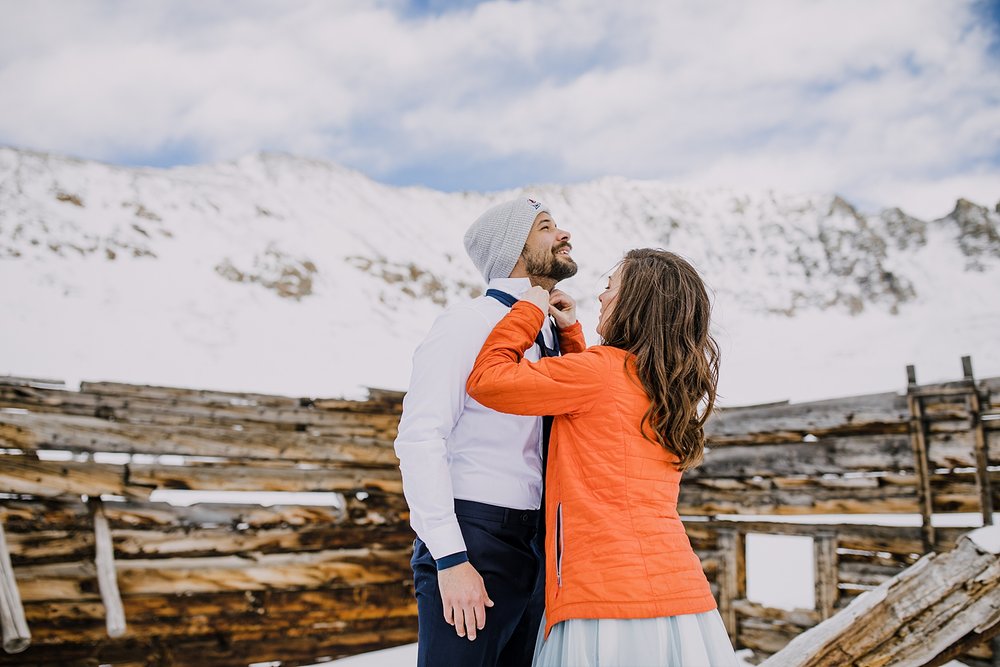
<point x="513" y="286"/>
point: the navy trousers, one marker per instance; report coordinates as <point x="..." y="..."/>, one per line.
<point x="505" y="548"/>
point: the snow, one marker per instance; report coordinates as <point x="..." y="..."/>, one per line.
<point x="786" y="269"/>
<point x="987" y="538"/>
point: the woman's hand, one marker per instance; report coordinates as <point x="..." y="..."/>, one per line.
<point x="562" y="308"/>
<point x="538" y="296"/>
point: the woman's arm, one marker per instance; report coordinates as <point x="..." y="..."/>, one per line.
<point x="571" y="339"/>
<point x="502" y="379"/>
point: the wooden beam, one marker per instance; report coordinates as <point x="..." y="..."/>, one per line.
<point x="56" y="619"/>
<point x="16" y="636"/>
<point x="249" y="572"/>
<point x="291" y="644"/>
<point x="76" y="433"/>
<point x="790" y="423"/>
<point x="107" y="577"/>
<point x="236" y="477"/>
<point x="29" y="515"/>
<point x="919" y="442"/>
<point x="28" y="475"/>
<point x="732" y="577"/>
<point x="981" y="448"/>
<point x="826" y="573"/>
<point x="804" y="618"/>
<point x="897" y="540"/>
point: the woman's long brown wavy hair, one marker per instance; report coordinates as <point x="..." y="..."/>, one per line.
<point x="661" y="315"/>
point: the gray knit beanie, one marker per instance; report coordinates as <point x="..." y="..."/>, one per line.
<point x="495" y="240"/>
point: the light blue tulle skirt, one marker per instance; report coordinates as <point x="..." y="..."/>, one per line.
<point x="689" y="640"/>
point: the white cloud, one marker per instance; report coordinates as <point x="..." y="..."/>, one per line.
<point x="862" y="98"/>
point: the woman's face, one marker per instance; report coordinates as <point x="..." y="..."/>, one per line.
<point x="608" y="298"/>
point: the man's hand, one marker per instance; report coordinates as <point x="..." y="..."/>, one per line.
<point x="562" y="308"/>
<point x="464" y="597"/>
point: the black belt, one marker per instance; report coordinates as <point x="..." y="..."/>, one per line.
<point x="504" y="515"/>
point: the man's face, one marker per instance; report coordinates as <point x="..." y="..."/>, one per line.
<point x="546" y="253"/>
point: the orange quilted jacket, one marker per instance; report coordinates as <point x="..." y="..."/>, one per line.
<point x="615" y="545"/>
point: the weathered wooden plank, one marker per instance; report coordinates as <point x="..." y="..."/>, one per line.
<point x="355" y="601"/>
<point x="827" y="455"/>
<point x="33" y="431"/>
<point x="145" y="411"/>
<point x="880" y="494"/>
<point x="803" y="618"/>
<point x="175" y="616"/>
<point x="179" y="629"/>
<point x="107" y="581"/>
<point x="980" y="447"/>
<point x="185" y="395"/>
<point x="378" y="400"/>
<point x="290" y="645"/>
<point x="77" y="580"/>
<point x="19" y="381"/>
<point x="794" y="421"/>
<point x="766" y="635"/>
<point x="874" y="413"/>
<point x="918" y="439"/>
<point x="27" y="516"/>
<point x="732" y="577"/>
<point x="840" y="455"/>
<point x="893" y="539"/>
<point x="825" y="567"/>
<point x="13" y="623"/>
<point x="22" y="474"/>
<point x="54" y="546"/>
<point x="884" y="558"/>
<point x="218" y="477"/>
<point x="866" y="573"/>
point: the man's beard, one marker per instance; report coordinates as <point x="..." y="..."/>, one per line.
<point x="546" y="264"/>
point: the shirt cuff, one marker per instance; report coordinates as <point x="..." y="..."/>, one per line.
<point x="444" y="540"/>
<point x="452" y="560"/>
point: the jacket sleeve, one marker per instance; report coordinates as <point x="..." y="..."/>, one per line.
<point x="571" y="339"/>
<point x="502" y="379"/>
<point x="431" y="408"/>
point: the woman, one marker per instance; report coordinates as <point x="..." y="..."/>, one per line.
<point x="623" y="585"/>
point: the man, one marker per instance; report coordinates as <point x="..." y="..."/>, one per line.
<point x="473" y="477"/>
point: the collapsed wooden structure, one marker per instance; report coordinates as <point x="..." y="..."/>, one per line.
<point x="943" y="605"/>
<point x="106" y="575"/>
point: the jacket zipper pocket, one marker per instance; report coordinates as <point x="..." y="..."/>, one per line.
<point x="559" y="544"/>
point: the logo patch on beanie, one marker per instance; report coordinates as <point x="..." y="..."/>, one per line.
<point x="534" y="204"/>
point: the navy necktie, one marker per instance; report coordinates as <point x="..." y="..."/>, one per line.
<point x="547" y="351"/>
<point x="509" y="301"/>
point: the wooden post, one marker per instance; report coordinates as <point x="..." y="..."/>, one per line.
<point x="827" y="576"/>
<point x="16" y="636"/>
<point x="918" y="439"/>
<point x="733" y="577"/>
<point x="107" y="579"/>
<point x="979" y="433"/>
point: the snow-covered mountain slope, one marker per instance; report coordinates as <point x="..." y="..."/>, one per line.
<point x="281" y="274"/>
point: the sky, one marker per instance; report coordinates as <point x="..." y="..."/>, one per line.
<point x="886" y="102"/>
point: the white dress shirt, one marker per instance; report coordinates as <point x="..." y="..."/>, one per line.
<point x="449" y="445"/>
